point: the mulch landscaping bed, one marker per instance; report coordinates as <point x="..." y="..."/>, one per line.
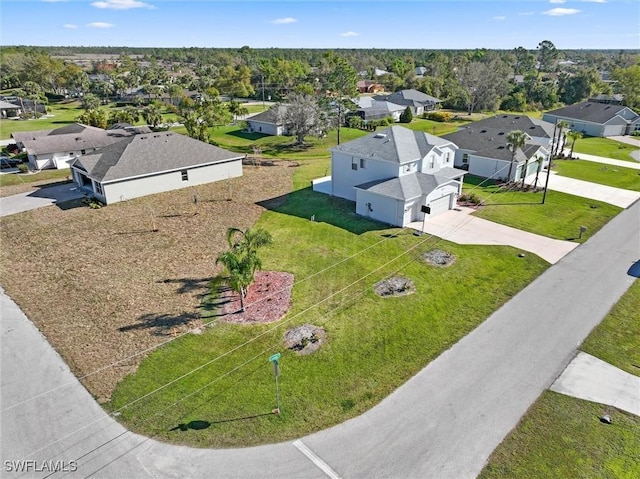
<point x="102" y="286"/>
<point x="268" y="299"/>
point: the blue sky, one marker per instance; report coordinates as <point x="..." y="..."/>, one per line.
<point x="429" y="24"/>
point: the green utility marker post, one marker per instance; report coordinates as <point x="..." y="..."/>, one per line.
<point x="276" y="372"/>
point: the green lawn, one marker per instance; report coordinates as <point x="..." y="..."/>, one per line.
<point x="561" y="436"/>
<point x="434" y="127"/>
<point x="603" y="147"/>
<point x="616" y="176"/>
<point x="61" y="114"/>
<point x="617" y="339"/>
<point x="18" y="178"/>
<point x="233" y="138"/>
<point x="560" y="217"/>
<point x="374" y="345"/>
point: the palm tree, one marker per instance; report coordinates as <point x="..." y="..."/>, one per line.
<point x="240" y="274"/>
<point x="242" y="260"/>
<point x="574" y="135"/>
<point x="515" y="140"/>
<point x="561" y="125"/>
<point x="540" y="161"/>
<point x="248" y="243"/>
<point x="524" y="171"/>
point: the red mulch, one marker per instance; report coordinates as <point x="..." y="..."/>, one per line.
<point x="268" y="299"/>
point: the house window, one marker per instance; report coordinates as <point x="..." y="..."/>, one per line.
<point x="82" y="152"/>
<point x="354" y="164"/>
<point x="448" y="157"/>
<point x="99" y="189"/>
<point x="465" y="158"/>
<point x="363" y="163"/>
<point x="432" y="162"/>
<point x="185" y="175"/>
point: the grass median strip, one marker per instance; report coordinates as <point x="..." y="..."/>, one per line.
<point x="616" y="176"/>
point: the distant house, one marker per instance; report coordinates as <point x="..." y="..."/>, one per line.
<point x="58" y="148"/>
<point x="267" y="122"/>
<point x="150" y="163"/>
<point x="420" y="71"/>
<point x="597" y="119"/>
<point x="9" y="110"/>
<point x="417" y="101"/>
<point x="371" y="109"/>
<point x="393" y="173"/>
<point x="369" y="86"/>
<point x="483" y="147"/>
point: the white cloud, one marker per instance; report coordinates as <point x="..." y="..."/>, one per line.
<point x="70" y="26"/>
<point x="349" y="34"/>
<point x="283" y="21"/>
<point x="526" y="13"/>
<point x="557" y="1"/>
<point x="500" y="18"/>
<point x="100" y="25"/>
<point x="54" y="1"/>
<point x="594" y="1"/>
<point x="121" y="4"/>
<point x="558" y="12"/>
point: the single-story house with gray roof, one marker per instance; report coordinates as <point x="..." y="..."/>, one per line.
<point x="267" y="122"/>
<point x="9" y="110"/>
<point x="417" y="101"/>
<point x="59" y="147"/>
<point x="151" y="163"/>
<point x="597" y="119"/>
<point x="483" y="148"/>
<point x="396" y="175"/>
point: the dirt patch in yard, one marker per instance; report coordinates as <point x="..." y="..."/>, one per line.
<point x="102" y="286"/>
<point x="439" y="257"/>
<point x="394" y="286"/>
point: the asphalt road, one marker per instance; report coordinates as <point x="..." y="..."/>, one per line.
<point x="443" y="423"/>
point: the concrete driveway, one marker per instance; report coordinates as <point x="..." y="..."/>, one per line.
<point x="459" y="226"/>
<point x="606" y="194"/>
<point x="47" y="196"/>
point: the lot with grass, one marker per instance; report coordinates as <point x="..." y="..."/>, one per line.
<point x="373" y="344"/>
<point x="23" y="182"/>
<point x="561" y="436"/>
<point x="560" y="217"/>
<point x="616" y="176"/>
<point x="603" y="147"/>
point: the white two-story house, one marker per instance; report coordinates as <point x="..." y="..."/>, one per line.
<point x="396" y="175"/>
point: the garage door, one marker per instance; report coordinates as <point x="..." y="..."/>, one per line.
<point x="440" y="205"/>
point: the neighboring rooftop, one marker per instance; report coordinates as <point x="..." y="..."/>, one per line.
<point x="150" y="153"/>
<point x="591" y="111"/>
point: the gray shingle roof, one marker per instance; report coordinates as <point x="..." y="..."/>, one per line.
<point x="5" y="105"/>
<point x="411" y="97"/>
<point x="149" y="154"/>
<point x="490" y="143"/>
<point x="507" y="123"/>
<point x="395" y="144"/>
<point x="73" y="137"/>
<point x="269" y="116"/>
<point x="589" y="111"/>
<point x="406" y="187"/>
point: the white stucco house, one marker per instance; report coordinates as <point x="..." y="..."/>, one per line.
<point x="59" y="147"/>
<point x="393" y="173"/>
<point x="483" y="148"/>
<point x="417" y="101"/>
<point x="267" y="122"/>
<point x="597" y="119"/>
<point x="150" y="163"/>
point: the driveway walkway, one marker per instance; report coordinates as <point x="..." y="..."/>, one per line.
<point x="443" y="423"/>
<point x="459" y="226"/>
<point x="607" y="194"/>
<point x="39" y="198"/>
<point x="592" y="379"/>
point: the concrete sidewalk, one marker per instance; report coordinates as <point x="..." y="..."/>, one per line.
<point x="590" y="378"/>
<point x="459" y="226"/>
<point x="607" y="194"/>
